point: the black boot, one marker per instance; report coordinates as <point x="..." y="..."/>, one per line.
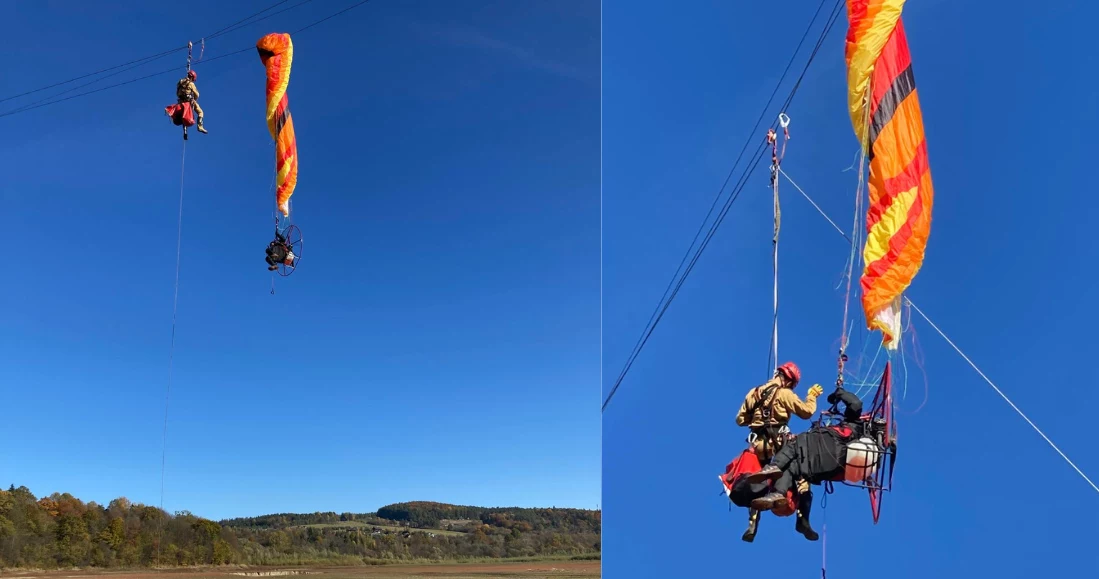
<point x="753" y="526"/>
<point x="767" y="473"/>
<point x="805" y="504"/>
<point x="769" y="501"/>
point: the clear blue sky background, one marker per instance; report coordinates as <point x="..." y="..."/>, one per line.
<point x="1011" y="115"/>
<point x="441" y="339"/>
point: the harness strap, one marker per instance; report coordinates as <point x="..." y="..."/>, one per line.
<point x="763" y="397"/>
<point x="771" y="431"/>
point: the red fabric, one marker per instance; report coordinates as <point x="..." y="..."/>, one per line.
<point x="748" y="463"/>
<point x="182" y="114"/>
<point x="842" y="430"/>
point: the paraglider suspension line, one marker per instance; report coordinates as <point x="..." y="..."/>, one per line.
<point x="855" y="238"/>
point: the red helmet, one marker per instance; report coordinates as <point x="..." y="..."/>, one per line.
<point x="192" y="74"/>
<point x="791" y="371"/>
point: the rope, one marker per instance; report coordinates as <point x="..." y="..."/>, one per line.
<point x="172" y="349"/>
<point x="968" y="360"/>
<point x="828" y="489"/>
<point x="1002" y="395"/>
<point x="776" y="162"/>
<point x="814" y="204"/>
<point x="774" y="267"/>
<point x="678" y="279"/>
<point x="824" y="541"/>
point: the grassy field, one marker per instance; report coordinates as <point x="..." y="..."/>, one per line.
<point x="532" y="570"/>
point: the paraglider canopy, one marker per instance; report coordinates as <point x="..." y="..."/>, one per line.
<point x="276" y="51"/>
<point x="885" y="112"/>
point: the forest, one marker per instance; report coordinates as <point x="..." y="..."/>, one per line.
<point x="60" y="530"/>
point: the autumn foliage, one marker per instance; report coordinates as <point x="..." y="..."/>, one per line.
<point x="62" y="531"/>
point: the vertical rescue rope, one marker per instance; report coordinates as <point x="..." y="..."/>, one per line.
<point x="189" y="47"/>
<point x="828" y="489"/>
<point x="776" y="161"/>
<point x="171" y="350"/>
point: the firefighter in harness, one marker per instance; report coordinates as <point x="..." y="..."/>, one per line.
<point x="766" y="411"/>
<point x="813" y="457"/>
<point x="186" y="91"/>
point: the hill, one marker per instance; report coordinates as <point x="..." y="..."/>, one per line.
<point x="62" y="531"/>
<point x="437" y="516"/>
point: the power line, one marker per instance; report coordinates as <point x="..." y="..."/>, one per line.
<point x="139" y="60"/>
<point x="157" y="56"/>
<point x="100" y="89"/>
<point x="330" y="16"/>
<point x="751" y="135"/>
<point x="230" y="28"/>
<point x="39" y="104"/>
<point x="679" y="279"/>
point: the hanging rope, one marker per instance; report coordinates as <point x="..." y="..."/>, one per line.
<point x="824" y="538"/>
<point x="776" y="162"/>
<point x="171" y="349"/>
<point x="1002" y="395"/>
<point x="828" y="489"/>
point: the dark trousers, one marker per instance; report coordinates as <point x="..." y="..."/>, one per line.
<point x="786" y="459"/>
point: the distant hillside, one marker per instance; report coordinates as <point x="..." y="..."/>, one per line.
<point x="62" y="531"/>
<point x="429" y="515"/>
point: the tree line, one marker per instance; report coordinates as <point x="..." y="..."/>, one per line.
<point x="431" y="515"/>
<point x="63" y="531"/>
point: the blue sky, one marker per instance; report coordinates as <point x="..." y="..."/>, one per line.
<point x="441" y="339"/>
<point x="1011" y="117"/>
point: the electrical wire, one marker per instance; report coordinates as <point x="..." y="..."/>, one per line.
<point x="680" y="279"/>
<point x="147" y="59"/>
<point x="40" y="104"/>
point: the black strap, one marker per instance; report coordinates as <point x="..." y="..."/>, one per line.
<point x="892" y="460"/>
<point x="768" y="429"/>
<point x="759" y="402"/>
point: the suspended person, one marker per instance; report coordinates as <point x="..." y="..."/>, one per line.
<point x="814" y="456"/>
<point x="766" y="411"/>
<point x="279" y="252"/>
<point x="187" y="92"/>
<point x="742" y="491"/>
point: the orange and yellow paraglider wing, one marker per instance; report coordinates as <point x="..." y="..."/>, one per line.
<point x="277" y="53"/>
<point x="888" y="118"/>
